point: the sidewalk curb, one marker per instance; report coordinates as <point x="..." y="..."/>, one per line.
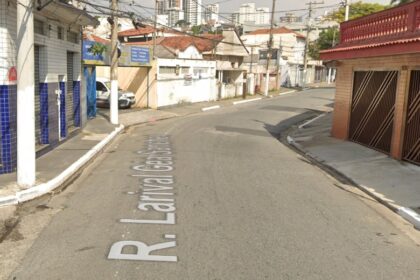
<point x="247" y="101"/>
<point x="44" y="188"/>
<point x="405" y="212"/>
<point x="210" y="108"/>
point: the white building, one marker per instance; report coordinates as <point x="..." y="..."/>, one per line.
<point x="289" y="47"/>
<point x="193" y="11"/>
<point x="174" y="15"/>
<point x="212" y="13"/>
<point x="262" y="16"/>
<point x="57" y="75"/>
<point x="247" y="13"/>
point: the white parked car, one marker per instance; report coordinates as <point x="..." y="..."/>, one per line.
<point x="103" y="93"/>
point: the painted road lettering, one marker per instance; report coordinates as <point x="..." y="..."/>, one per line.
<point x="156" y="195"/>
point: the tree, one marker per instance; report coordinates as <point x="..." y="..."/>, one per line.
<point x="330" y="37"/>
<point x="197" y="29"/>
<point x="357" y="9"/>
<point x="327" y="39"/>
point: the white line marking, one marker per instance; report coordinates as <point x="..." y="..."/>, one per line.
<point x="170" y="236"/>
<point x="311" y="121"/>
<point x="210" y="108"/>
<point x="246" y="101"/>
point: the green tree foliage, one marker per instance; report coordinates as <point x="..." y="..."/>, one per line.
<point x="327" y="39"/>
<point x="197" y="29"/>
<point x="330" y="37"/>
<point x="357" y="9"/>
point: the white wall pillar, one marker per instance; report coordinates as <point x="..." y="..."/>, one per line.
<point x="25" y="94"/>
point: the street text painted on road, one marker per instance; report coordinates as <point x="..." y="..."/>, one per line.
<point x="156" y="196"/>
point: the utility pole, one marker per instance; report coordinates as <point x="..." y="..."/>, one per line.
<point x="270" y="43"/>
<point x="114" y="64"/>
<point x="26" y="164"/>
<point x="347" y="5"/>
<point x="308" y="32"/>
<point x="155" y="27"/>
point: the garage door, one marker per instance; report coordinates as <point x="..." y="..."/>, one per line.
<point x="411" y="150"/>
<point x="372" y="111"/>
<point x="69" y="92"/>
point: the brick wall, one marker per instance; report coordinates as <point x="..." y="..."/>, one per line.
<point x="344" y="89"/>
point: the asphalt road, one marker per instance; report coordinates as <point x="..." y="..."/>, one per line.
<point x="216" y="196"/>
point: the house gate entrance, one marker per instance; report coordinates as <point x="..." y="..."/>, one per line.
<point x="372" y="110"/>
<point x="411" y="148"/>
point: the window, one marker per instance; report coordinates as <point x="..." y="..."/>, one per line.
<point x="72" y="37"/>
<point x="200" y="70"/>
<point x="167" y="70"/>
<point x="39" y="27"/>
<point x="101" y="87"/>
<point x="60" y="33"/>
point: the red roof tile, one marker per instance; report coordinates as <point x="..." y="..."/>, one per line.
<point x="279" y="30"/>
<point x="136" y="32"/>
<point x="92" y="37"/>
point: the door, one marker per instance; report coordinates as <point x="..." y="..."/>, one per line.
<point x="411" y="146"/>
<point x="69" y="92"/>
<point x="372" y="111"/>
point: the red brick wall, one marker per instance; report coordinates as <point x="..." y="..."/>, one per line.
<point x="344" y="89"/>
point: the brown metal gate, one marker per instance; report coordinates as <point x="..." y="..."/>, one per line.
<point x="372" y="112"/>
<point x="411" y="150"/>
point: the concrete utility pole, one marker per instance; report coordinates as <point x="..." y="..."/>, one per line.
<point x="270" y="43"/>
<point x="308" y="32"/>
<point x="347" y="4"/>
<point x="25" y="94"/>
<point x="155" y="27"/>
<point x="114" y="64"/>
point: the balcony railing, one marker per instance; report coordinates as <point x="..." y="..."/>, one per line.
<point x="402" y="22"/>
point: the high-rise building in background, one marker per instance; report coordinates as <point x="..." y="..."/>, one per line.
<point x="212" y="13"/>
<point x="262" y="16"/>
<point x="193" y="11"/>
<point x="248" y="13"/>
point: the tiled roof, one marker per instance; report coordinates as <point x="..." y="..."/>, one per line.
<point x="136" y="32"/>
<point x="92" y="37"/>
<point x="205" y="44"/>
<point x="279" y="30"/>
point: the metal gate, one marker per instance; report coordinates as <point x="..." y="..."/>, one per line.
<point x="69" y="92"/>
<point x="37" y="96"/>
<point x="373" y="105"/>
<point x="411" y="150"/>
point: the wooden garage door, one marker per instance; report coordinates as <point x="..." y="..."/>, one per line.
<point x="411" y="150"/>
<point x="372" y="112"/>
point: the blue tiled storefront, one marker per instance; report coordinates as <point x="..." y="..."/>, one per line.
<point x="48" y="119"/>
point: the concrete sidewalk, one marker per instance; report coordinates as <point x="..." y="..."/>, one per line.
<point x="394" y="183"/>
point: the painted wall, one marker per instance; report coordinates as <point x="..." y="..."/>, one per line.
<point x="344" y="92"/>
<point x="196" y="81"/>
<point x="53" y="55"/>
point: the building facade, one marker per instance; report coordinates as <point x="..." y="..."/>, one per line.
<point x="60" y="107"/>
<point x="378" y="82"/>
<point x="193" y="11"/>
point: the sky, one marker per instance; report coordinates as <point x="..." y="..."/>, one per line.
<point x="281" y="5"/>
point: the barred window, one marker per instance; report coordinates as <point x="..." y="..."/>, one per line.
<point x="167" y="70"/>
<point x="60" y="33"/>
<point x="200" y="70"/>
<point x="72" y="37"/>
<point x="39" y="27"/>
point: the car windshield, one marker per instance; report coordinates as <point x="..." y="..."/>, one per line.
<point x="108" y="85"/>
